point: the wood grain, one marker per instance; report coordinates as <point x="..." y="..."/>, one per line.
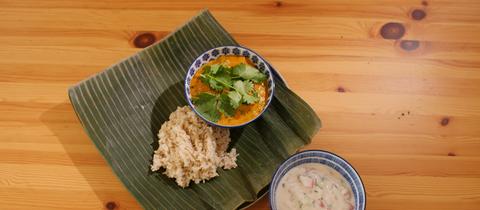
<point x="406" y="116"/>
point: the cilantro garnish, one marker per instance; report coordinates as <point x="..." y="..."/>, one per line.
<point x="233" y="86"/>
<point x="248" y="72"/>
<point x="217" y="77"/>
<point x="206" y="104"/>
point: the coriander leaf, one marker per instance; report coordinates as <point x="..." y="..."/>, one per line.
<point x="238" y="69"/>
<point x="255" y="93"/>
<point x="214" y="68"/>
<point x="240" y="87"/>
<point x="207" y="69"/>
<point x="235" y="98"/>
<point x="206" y="105"/>
<point x="204" y="79"/>
<point x="214" y="84"/>
<point x="258" y="76"/>
<point x="224" y="78"/>
<point x="225" y="106"/>
<point x="249" y="73"/>
<point x="244" y="87"/>
<point x="217" y="77"/>
<point x="248" y="86"/>
<point x="250" y="99"/>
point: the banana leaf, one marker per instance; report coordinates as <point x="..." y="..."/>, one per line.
<point x="123" y="107"/>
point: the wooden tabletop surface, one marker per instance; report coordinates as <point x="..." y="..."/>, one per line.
<point x="396" y="84"/>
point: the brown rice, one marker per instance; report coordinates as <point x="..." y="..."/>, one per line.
<point x="190" y="149"/>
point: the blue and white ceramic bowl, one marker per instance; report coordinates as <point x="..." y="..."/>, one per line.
<point x="326" y="158"/>
<point x="213" y="54"/>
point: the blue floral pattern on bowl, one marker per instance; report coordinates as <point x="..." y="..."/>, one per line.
<point x="213" y="54"/>
<point x="325" y="158"/>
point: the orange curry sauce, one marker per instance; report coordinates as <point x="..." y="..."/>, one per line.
<point x="244" y="112"/>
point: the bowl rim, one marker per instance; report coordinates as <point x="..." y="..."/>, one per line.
<point x="275" y="174"/>
<point x="268" y="69"/>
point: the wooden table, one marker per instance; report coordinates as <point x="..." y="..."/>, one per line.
<point x="396" y="84"/>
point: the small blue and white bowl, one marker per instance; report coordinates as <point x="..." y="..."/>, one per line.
<point x="326" y="158"/>
<point x="213" y="54"/>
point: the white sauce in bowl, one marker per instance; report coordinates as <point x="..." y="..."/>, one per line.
<point x="314" y="186"/>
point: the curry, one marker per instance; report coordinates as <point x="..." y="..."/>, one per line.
<point x="229" y="90"/>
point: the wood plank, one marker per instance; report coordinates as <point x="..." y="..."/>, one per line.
<point x="406" y="120"/>
<point x="404" y="143"/>
<point x="421" y="187"/>
<point x="415" y="165"/>
<point x="65" y="198"/>
<point x="303" y="47"/>
<point x="441" y="10"/>
<point x="49" y="157"/>
<point x="357" y="27"/>
<point x="21" y="132"/>
<point x="58" y="177"/>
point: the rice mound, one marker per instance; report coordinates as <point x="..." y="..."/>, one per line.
<point x="189" y="149"/>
